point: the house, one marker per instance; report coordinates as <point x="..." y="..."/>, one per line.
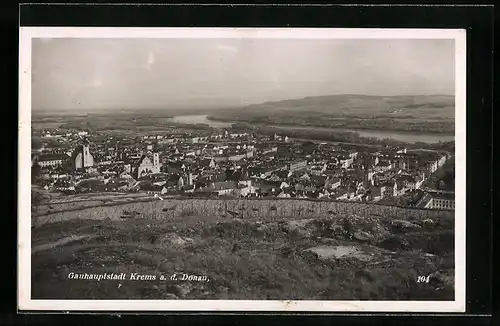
<point x="174" y="181"/>
<point x="297" y="165"/>
<point x="343" y="194"/>
<point x="247" y="189"/>
<point x="305" y="187"/>
<point x="408" y="182"/>
<point x="318" y="169"/>
<point x="345" y="161"/>
<point x="286" y="193"/>
<point x="238" y="157"/>
<point x="353" y="154"/>
<point x="274" y="186"/>
<point x="269" y="150"/>
<point x="333" y="182"/>
<point x="390" y="189"/>
<point x="383" y="165"/>
<point x="238" y="135"/>
<point x="302" y="175"/>
<point x="222" y="188"/>
<point x="324" y="193"/>
<point x="175" y="167"/>
<point x="319" y="181"/>
<point x="281" y="175"/>
<point x="439" y="201"/>
<point x="377" y="193"/>
<point x="401" y="164"/>
<point x="151" y="188"/>
<point x="260" y="171"/>
<point x="237" y="175"/>
<point x="208" y="163"/>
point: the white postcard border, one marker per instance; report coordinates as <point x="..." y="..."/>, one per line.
<point x="24" y="177"/>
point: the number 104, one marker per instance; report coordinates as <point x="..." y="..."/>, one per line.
<point x="423" y="279"/>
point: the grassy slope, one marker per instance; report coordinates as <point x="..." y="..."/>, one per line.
<point x="242" y="258"/>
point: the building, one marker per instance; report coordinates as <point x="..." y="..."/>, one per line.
<point x="409" y="182"/>
<point x="378" y="193"/>
<point x="390" y="189"/>
<point x="147" y="165"/>
<point x="383" y="166"/>
<point x="270" y="150"/>
<point x="318" y="169"/>
<point x="208" y="163"/>
<point x="442" y="201"/>
<point x="402" y="164"/>
<point x="297" y="165"/>
<point x="239" y="157"/>
<point x="51" y="160"/>
<point x="333" y="183"/>
<point x="174" y="167"/>
<point x="345" y="161"/>
<point x="82" y="158"/>
<point x="222" y="188"/>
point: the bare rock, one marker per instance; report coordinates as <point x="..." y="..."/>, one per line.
<point x="171" y="296"/>
<point x="362" y="236"/>
<point x="402" y="224"/>
<point x="176" y="240"/>
<point x="428" y="223"/>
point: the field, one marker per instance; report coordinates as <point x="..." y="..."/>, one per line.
<point x="245" y="249"/>
<point x="129" y="125"/>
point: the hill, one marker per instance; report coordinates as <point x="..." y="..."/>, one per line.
<point x="419" y="113"/>
<point x="363" y="105"/>
<point x="302" y="250"/>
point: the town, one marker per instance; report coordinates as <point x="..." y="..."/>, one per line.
<point x="229" y="163"/>
<point x="246" y="167"/>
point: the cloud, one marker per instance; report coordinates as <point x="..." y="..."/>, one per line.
<point x="226" y="48"/>
<point x="151" y="60"/>
<point x="96" y="83"/>
<point x="45" y="40"/>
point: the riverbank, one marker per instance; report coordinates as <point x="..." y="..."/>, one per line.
<point x="375" y="125"/>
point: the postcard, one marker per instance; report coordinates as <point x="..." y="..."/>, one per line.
<point x="242" y="169"/>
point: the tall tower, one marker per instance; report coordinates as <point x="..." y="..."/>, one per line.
<point x="86" y="156"/>
<point x="82" y="157"/>
<point x="156" y="159"/>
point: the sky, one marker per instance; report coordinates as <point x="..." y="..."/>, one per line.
<point x="105" y="74"/>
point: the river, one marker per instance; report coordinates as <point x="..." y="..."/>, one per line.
<point x="380" y="134"/>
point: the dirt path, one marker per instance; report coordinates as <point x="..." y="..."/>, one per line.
<point x="60" y="242"/>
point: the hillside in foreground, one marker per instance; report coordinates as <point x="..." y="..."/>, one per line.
<point x="334" y="255"/>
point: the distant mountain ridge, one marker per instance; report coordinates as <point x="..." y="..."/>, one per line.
<point x="410" y="113"/>
<point x="338" y="103"/>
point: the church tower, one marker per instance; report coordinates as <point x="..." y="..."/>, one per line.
<point x="81" y="157"/>
<point x="87" y="157"/>
<point x="156" y="159"/>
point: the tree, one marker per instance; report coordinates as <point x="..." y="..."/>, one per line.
<point x="36" y="143"/>
<point x="37" y="199"/>
<point x="35" y="172"/>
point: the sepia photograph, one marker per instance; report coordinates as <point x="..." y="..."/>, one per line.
<point x="242" y="169"/>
